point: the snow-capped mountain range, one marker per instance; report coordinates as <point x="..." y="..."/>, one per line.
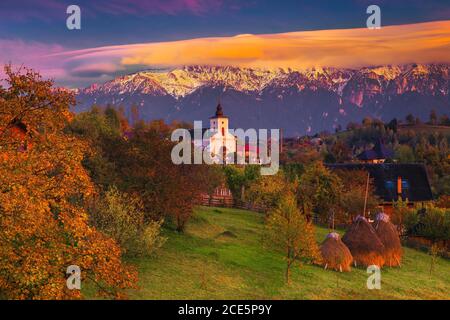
<point x="299" y="101"/>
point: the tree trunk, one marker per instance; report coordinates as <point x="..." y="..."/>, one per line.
<point x="288" y="273"/>
<point x="288" y="266"/>
<point x="180" y="225"/>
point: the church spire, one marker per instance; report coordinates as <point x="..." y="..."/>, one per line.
<point x="219" y="111"/>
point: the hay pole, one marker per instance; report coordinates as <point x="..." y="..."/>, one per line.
<point x="332" y="225"/>
<point x="367" y="194"/>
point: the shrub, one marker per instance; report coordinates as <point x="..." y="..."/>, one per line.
<point x="431" y="223"/>
<point x="400" y="211"/>
<point x="443" y="202"/>
<point x="410" y="220"/>
<point x="434" y="225"/>
<point x="121" y="216"/>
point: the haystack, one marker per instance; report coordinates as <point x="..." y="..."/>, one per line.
<point x="364" y="244"/>
<point x="388" y="235"/>
<point x="335" y="254"/>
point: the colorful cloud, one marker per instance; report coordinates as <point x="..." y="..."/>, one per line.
<point x="350" y="48"/>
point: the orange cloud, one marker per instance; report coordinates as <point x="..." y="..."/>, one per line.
<point x="421" y="43"/>
<point x="348" y="48"/>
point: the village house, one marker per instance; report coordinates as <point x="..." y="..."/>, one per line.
<point x="378" y="154"/>
<point x="394" y="182"/>
<point x="221" y="197"/>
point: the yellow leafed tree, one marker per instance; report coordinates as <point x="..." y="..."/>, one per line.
<point x="43" y="190"/>
<point x="290" y="232"/>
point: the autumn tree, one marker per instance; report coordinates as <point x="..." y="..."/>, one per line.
<point x="211" y="177"/>
<point x="140" y="164"/>
<point x="339" y="152"/>
<point x="267" y="191"/>
<point x="404" y="154"/>
<point x="400" y="211"/>
<point x="121" y="216"/>
<point x="103" y="137"/>
<point x="319" y="191"/>
<point x="353" y="196"/>
<point x="288" y="231"/>
<point x="44" y="188"/>
<point x="410" y="119"/>
<point x="240" y="178"/>
<point x="433" y="117"/>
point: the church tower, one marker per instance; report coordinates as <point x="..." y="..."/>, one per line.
<point x="222" y="143"/>
<point x="219" y="123"/>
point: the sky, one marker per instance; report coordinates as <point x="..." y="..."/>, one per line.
<point x="119" y="37"/>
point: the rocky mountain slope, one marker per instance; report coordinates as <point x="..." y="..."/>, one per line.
<point x="299" y="101"/>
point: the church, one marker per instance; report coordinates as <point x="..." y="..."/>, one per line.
<point x="222" y="143"/>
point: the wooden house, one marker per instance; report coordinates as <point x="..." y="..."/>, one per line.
<point x="378" y="154"/>
<point x="394" y="181"/>
<point x="221" y="197"/>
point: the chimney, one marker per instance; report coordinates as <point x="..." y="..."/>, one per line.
<point x="399" y="186"/>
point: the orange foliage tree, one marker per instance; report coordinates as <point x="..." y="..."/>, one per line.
<point x="43" y="190"/>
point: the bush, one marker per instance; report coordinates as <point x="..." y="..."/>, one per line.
<point x="433" y="223"/>
<point x="399" y="213"/>
<point x="404" y="154"/>
<point x="150" y="239"/>
<point x="121" y="217"/>
<point x="443" y="202"/>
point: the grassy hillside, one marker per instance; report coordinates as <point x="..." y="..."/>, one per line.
<point x="221" y="257"/>
<point x="424" y="128"/>
<point x="405" y="128"/>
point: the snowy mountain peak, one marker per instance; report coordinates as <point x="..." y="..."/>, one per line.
<point x="180" y="82"/>
<point x="319" y="97"/>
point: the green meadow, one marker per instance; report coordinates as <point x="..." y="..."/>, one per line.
<point x="221" y="256"/>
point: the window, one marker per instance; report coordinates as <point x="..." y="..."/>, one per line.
<point x="389" y="185"/>
<point x="390" y="188"/>
<point x="405" y="189"/>
<point x="405" y="184"/>
<point x="223" y="131"/>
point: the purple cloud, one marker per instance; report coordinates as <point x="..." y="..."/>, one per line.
<point x="31" y="54"/>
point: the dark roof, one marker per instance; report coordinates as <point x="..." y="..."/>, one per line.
<point x="379" y="151"/>
<point x="219" y="112"/>
<point x="416" y="186"/>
